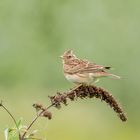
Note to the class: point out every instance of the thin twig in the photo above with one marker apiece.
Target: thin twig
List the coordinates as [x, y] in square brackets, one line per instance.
[13, 118]
[10, 115]
[34, 120]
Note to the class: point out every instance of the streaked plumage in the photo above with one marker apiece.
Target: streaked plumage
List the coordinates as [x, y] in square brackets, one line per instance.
[82, 71]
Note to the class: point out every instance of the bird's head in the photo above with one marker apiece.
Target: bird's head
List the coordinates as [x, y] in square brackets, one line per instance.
[68, 56]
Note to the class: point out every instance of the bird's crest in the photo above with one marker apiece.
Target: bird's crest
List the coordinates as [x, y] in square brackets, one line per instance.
[68, 52]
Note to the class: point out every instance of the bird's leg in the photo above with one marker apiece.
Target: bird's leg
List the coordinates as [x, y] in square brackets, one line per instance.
[77, 86]
[96, 80]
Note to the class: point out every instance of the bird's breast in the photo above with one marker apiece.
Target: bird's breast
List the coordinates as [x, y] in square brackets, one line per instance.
[78, 78]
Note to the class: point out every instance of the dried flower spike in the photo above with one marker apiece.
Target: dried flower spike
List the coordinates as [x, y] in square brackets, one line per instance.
[85, 91]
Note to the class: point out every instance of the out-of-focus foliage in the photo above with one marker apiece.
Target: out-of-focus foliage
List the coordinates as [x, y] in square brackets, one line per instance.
[34, 33]
[13, 133]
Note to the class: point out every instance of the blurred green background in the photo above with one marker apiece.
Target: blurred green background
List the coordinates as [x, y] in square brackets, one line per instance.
[33, 34]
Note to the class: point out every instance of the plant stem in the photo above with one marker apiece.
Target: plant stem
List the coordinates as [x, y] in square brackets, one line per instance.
[34, 120]
[13, 118]
[10, 115]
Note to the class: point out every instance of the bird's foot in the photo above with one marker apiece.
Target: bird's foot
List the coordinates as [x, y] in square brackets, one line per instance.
[77, 86]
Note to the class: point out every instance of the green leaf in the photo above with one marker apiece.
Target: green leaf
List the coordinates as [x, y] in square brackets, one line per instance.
[19, 123]
[6, 131]
[11, 134]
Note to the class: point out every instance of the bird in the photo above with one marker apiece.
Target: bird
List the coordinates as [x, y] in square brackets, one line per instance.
[82, 71]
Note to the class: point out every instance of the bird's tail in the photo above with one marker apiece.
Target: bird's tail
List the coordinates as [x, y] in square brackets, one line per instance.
[107, 68]
[113, 76]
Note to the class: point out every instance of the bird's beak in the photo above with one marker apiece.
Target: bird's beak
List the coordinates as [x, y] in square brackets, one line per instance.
[61, 56]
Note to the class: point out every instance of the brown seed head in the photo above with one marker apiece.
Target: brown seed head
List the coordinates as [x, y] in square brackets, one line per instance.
[47, 114]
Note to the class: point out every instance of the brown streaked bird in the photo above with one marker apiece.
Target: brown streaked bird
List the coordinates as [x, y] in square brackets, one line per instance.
[81, 71]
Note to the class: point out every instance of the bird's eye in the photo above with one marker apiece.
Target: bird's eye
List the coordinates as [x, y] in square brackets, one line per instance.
[69, 56]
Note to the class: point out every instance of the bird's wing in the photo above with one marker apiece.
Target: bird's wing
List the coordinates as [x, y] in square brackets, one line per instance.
[92, 68]
[82, 66]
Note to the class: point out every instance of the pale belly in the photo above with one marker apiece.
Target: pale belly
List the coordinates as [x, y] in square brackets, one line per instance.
[81, 78]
